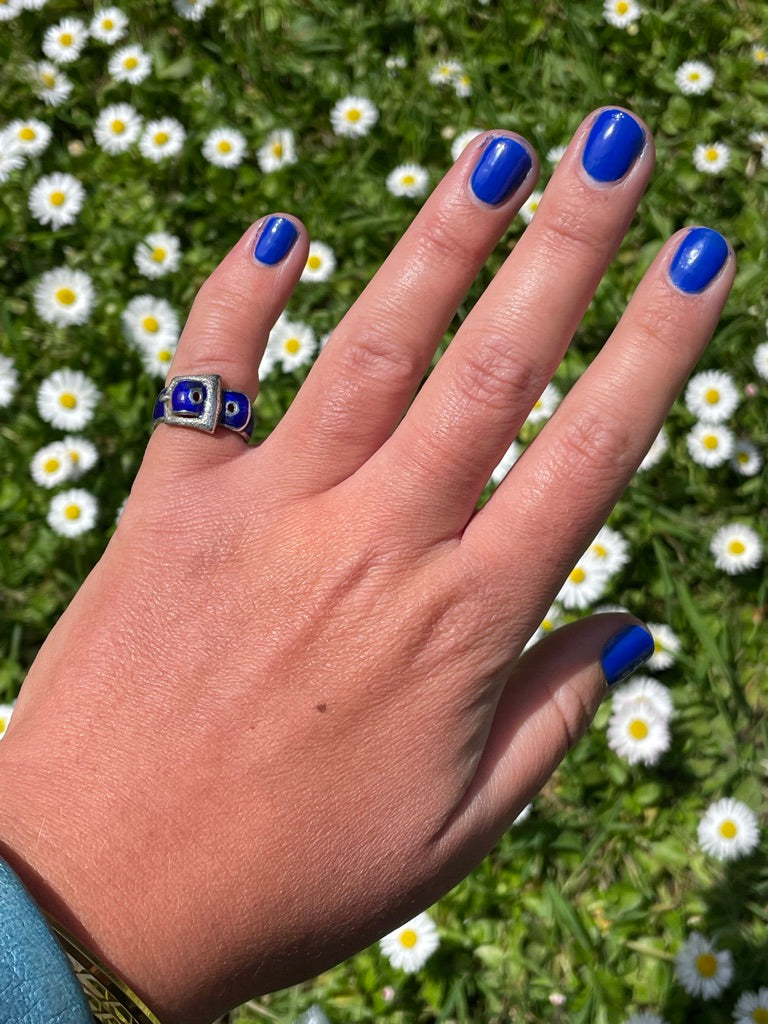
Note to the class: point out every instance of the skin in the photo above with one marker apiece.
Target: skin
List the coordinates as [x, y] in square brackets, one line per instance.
[288, 708]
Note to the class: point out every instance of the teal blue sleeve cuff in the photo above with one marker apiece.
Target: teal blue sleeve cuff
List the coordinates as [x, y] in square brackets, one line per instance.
[37, 985]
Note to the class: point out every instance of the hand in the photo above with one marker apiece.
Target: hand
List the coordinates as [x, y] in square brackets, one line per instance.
[288, 708]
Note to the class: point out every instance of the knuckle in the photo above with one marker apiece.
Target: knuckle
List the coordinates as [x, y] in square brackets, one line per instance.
[375, 354]
[572, 232]
[446, 243]
[494, 375]
[595, 441]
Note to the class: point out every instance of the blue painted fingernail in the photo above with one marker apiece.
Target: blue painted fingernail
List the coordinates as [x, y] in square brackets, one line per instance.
[613, 145]
[625, 652]
[698, 259]
[275, 241]
[502, 168]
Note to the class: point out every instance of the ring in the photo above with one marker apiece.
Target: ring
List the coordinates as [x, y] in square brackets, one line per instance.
[199, 401]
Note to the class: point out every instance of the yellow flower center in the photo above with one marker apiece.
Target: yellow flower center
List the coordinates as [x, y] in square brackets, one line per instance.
[277, 149]
[728, 829]
[68, 400]
[72, 511]
[761, 55]
[694, 76]
[2, 720]
[56, 198]
[164, 356]
[74, 456]
[736, 547]
[51, 465]
[224, 146]
[547, 625]
[710, 442]
[638, 730]
[712, 396]
[706, 964]
[161, 138]
[158, 255]
[27, 133]
[759, 1016]
[577, 575]
[622, 7]
[118, 126]
[711, 154]
[599, 550]
[66, 39]
[314, 262]
[130, 63]
[743, 458]
[292, 345]
[353, 115]
[408, 179]
[65, 296]
[408, 938]
[107, 24]
[150, 324]
[48, 79]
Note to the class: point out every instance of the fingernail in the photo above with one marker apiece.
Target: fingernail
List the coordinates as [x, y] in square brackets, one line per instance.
[501, 169]
[625, 652]
[613, 145]
[699, 258]
[275, 241]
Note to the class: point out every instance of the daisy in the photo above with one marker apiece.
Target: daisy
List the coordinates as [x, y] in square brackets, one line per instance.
[314, 1015]
[33, 5]
[395, 62]
[545, 405]
[703, 969]
[760, 360]
[746, 458]
[292, 344]
[408, 180]
[11, 156]
[760, 53]
[611, 549]
[321, 262]
[556, 154]
[728, 830]
[638, 733]
[192, 10]
[9, 380]
[161, 139]
[130, 64]
[353, 116]
[621, 13]
[694, 78]
[82, 455]
[530, 206]
[64, 296]
[63, 43]
[224, 147]
[66, 399]
[656, 452]
[108, 25]
[278, 150]
[51, 84]
[117, 128]
[56, 199]
[157, 358]
[446, 72]
[158, 254]
[148, 321]
[710, 444]
[508, 459]
[752, 1008]
[31, 135]
[736, 549]
[666, 644]
[411, 945]
[462, 85]
[712, 396]
[51, 465]
[644, 692]
[10, 9]
[72, 513]
[6, 712]
[585, 584]
[548, 624]
[711, 157]
[462, 140]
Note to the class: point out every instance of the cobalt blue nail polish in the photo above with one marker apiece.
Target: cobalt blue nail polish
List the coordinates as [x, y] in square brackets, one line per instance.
[275, 241]
[502, 168]
[699, 258]
[613, 145]
[625, 652]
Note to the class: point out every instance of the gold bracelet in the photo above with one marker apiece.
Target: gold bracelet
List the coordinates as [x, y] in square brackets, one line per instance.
[110, 1000]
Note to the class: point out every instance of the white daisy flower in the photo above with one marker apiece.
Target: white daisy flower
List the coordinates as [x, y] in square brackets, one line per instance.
[702, 969]
[353, 116]
[64, 296]
[556, 154]
[278, 150]
[412, 944]
[712, 396]
[408, 180]
[752, 1007]
[666, 644]
[56, 199]
[586, 583]
[64, 42]
[321, 262]
[51, 84]
[736, 549]
[446, 72]
[72, 513]
[11, 156]
[192, 10]
[711, 157]
[462, 85]
[292, 344]
[728, 830]
[548, 625]
[117, 128]
[149, 321]
[462, 140]
[9, 380]
[760, 360]
[638, 733]
[161, 139]
[508, 459]
[6, 712]
[746, 458]
[51, 465]
[33, 5]
[157, 358]
[10, 9]
[157, 254]
[758, 138]
[224, 147]
[395, 62]
[66, 399]
[656, 452]
[760, 53]
[108, 25]
[611, 549]
[82, 454]
[130, 64]
[30, 135]
[644, 1017]
[694, 78]
[644, 692]
[710, 444]
[545, 404]
[621, 13]
[530, 206]
[314, 1015]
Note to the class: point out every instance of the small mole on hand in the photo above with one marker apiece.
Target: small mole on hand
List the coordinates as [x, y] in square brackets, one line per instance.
[320, 707]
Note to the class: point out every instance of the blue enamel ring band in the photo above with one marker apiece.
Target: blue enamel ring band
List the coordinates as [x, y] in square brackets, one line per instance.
[201, 402]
